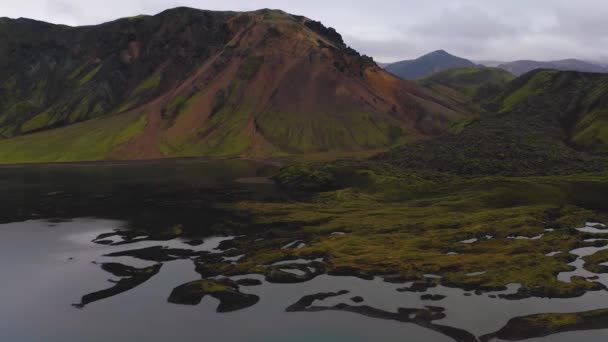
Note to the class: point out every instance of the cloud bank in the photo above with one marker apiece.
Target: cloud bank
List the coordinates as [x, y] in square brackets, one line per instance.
[391, 30]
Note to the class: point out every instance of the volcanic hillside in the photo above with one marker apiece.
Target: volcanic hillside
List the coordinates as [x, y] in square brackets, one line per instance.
[188, 82]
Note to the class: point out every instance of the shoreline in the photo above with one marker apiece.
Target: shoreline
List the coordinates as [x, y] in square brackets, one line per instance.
[265, 161]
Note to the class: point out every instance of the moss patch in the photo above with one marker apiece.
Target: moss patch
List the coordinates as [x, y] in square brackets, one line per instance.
[406, 224]
[536, 84]
[250, 66]
[148, 84]
[89, 76]
[224, 134]
[90, 140]
[534, 326]
[37, 122]
[349, 130]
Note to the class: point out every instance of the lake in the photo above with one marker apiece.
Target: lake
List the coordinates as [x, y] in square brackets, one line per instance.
[57, 269]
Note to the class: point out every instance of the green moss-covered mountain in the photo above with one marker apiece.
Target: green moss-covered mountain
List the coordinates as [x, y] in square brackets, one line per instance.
[521, 67]
[545, 122]
[469, 85]
[188, 82]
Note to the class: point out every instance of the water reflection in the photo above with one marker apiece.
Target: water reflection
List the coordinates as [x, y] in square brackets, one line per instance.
[130, 277]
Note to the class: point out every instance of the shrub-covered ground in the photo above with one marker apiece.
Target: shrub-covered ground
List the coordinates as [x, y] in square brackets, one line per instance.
[372, 219]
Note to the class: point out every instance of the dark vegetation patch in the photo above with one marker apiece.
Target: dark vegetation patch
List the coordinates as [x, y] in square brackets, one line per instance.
[357, 299]
[541, 325]
[431, 297]
[129, 278]
[249, 67]
[476, 84]
[224, 290]
[530, 129]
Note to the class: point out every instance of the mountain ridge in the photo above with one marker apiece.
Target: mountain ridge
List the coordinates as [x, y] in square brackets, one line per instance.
[426, 65]
[189, 82]
[521, 67]
[545, 122]
[470, 86]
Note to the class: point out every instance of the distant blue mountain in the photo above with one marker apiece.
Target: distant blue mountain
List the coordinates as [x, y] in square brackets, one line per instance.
[428, 64]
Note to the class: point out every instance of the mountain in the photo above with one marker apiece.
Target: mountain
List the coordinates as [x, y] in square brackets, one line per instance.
[430, 63]
[468, 85]
[519, 68]
[579, 99]
[545, 122]
[189, 82]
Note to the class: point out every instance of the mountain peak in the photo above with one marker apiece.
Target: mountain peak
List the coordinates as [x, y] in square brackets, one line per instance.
[189, 82]
[440, 52]
[430, 63]
[272, 11]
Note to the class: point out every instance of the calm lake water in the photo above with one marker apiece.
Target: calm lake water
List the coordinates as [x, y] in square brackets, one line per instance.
[48, 265]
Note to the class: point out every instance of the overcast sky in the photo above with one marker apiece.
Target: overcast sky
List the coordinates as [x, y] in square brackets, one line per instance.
[391, 30]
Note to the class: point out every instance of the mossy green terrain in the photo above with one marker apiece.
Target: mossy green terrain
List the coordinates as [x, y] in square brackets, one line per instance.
[469, 84]
[540, 325]
[37, 122]
[596, 262]
[352, 130]
[527, 87]
[89, 76]
[91, 140]
[225, 132]
[582, 112]
[372, 219]
[178, 105]
[531, 128]
[147, 85]
[591, 130]
[474, 88]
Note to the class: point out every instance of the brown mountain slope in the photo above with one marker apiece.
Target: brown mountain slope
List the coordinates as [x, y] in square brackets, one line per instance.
[200, 83]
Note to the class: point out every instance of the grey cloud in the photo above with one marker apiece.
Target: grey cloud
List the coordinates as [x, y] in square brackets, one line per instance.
[465, 21]
[586, 19]
[395, 29]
